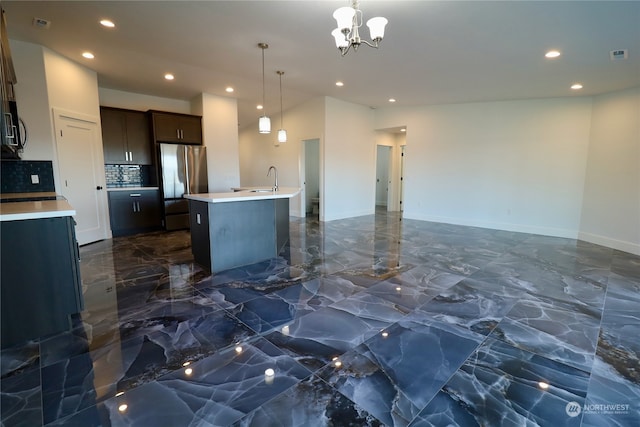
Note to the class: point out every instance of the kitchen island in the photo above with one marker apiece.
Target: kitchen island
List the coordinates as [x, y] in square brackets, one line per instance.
[40, 276]
[239, 228]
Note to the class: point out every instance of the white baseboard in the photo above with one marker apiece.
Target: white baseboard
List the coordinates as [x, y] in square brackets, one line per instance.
[352, 214]
[621, 245]
[519, 228]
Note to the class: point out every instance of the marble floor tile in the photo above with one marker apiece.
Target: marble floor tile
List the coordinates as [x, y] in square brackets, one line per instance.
[468, 307]
[500, 385]
[565, 336]
[310, 403]
[394, 374]
[218, 390]
[367, 321]
[21, 399]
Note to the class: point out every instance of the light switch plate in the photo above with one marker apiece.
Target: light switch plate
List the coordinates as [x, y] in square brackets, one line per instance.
[35, 179]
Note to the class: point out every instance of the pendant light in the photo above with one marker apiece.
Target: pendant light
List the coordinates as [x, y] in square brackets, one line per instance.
[282, 134]
[264, 123]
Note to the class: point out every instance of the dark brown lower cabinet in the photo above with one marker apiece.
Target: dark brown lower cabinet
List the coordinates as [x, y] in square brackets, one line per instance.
[134, 212]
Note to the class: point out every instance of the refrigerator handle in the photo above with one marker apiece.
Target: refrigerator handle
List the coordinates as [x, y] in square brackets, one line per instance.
[186, 171]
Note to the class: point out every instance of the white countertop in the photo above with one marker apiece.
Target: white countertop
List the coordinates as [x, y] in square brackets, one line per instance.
[13, 211]
[245, 195]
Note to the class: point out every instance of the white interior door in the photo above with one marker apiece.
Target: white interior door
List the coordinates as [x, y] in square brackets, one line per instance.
[81, 172]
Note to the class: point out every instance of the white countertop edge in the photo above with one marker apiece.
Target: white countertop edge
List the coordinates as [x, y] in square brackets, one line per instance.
[35, 215]
[131, 188]
[16, 211]
[240, 196]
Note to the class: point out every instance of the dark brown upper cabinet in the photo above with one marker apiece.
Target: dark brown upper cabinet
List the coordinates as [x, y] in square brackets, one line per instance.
[125, 136]
[177, 128]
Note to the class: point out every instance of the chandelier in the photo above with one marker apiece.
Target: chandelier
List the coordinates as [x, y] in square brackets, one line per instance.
[349, 20]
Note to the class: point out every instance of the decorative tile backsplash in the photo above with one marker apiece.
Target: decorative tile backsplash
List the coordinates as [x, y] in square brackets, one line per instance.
[128, 175]
[27, 176]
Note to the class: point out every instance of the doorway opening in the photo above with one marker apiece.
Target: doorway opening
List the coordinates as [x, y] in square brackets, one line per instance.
[402, 147]
[390, 144]
[311, 178]
[383, 176]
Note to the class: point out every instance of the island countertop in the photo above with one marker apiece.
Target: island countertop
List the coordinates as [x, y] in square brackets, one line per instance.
[256, 193]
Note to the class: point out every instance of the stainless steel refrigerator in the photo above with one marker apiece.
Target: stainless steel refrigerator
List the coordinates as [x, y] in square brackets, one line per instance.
[184, 171]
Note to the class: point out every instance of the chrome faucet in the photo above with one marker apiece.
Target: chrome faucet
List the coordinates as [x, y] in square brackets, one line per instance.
[275, 185]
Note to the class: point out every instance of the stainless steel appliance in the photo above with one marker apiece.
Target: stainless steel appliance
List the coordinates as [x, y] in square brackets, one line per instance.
[184, 171]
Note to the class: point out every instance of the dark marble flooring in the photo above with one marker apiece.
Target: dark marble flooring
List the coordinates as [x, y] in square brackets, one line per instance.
[367, 321]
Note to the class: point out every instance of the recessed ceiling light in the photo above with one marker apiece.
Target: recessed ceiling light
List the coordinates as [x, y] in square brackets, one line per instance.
[576, 86]
[259, 107]
[169, 76]
[229, 89]
[107, 23]
[339, 84]
[88, 55]
[392, 100]
[552, 54]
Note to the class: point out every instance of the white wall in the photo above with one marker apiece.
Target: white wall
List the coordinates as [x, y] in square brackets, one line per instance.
[349, 160]
[140, 102]
[611, 207]
[32, 100]
[258, 152]
[47, 80]
[71, 86]
[220, 135]
[514, 165]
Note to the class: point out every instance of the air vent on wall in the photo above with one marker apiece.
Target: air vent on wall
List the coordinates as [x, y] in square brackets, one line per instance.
[618, 54]
[41, 23]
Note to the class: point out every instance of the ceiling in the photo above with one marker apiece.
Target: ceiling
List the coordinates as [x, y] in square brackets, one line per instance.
[434, 52]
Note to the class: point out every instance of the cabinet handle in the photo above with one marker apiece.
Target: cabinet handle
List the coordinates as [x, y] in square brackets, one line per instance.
[134, 195]
[178, 133]
[131, 156]
[138, 206]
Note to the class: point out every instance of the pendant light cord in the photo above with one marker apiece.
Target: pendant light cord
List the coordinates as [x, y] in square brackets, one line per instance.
[263, 98]
[280, 73]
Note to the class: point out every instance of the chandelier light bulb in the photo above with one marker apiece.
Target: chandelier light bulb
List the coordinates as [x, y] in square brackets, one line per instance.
[376, 27]
[344, 18]
[341, 40]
